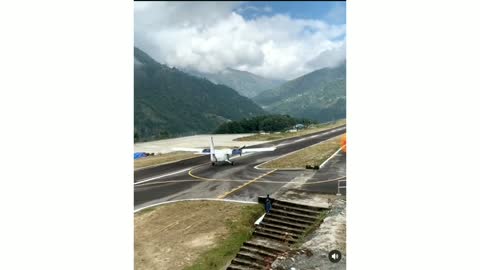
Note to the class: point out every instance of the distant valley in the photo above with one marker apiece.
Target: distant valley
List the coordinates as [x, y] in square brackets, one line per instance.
[245, 83]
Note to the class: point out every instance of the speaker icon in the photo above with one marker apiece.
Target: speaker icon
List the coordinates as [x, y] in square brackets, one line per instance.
[334, 256]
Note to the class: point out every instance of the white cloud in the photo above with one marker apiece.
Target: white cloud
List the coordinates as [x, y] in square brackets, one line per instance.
[211, 36]
[329, 58]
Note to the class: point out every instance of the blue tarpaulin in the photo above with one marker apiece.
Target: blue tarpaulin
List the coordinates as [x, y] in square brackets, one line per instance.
[138, 155]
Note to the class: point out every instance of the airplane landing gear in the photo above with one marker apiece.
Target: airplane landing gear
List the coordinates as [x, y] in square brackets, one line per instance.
[213, 163]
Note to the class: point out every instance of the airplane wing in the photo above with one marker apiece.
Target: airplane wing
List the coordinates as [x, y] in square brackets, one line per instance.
[251, 150]
[203, 151]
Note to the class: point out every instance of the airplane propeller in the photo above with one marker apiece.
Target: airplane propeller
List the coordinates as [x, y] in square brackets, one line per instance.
[238, 150]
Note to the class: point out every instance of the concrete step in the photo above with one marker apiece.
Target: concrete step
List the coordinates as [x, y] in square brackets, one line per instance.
[292, 204]
[275, 231]
[284, 223]
[251, 265]
[261, 252]
[238, 267]
[292, 219]
[266, 245]
[277, 237]
[283, 212]
[254, 257]
[296, 209]
[283, 228]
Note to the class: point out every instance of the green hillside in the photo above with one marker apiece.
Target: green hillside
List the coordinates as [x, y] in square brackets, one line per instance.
[266, 123]
[169, 102]
[245, 83]
[319, 95]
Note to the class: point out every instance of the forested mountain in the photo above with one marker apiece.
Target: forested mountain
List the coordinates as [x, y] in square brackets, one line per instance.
[266, 123]
[246, 83]
[319, 95]
[169, 102]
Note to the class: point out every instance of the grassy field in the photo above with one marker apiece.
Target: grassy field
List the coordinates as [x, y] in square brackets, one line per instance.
[160, 159]
[240, 229]
[284, 135]
[313, 155]
[192, 235]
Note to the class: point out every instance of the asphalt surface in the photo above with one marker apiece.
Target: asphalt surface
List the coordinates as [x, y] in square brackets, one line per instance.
[196, 178]
[327, 179]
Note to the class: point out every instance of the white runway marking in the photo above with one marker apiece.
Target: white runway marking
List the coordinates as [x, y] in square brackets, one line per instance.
[161, 176]
[257, 167]
[241, 181]
[334, 154]
[283, 144]
[235, 157]
[180, 171]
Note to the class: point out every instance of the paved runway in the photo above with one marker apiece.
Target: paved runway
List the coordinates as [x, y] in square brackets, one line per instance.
[334, 169]
[196, 178]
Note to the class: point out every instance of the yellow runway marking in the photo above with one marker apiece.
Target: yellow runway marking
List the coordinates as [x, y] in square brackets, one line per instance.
[206, 179]
[235, 180]
[244, 185]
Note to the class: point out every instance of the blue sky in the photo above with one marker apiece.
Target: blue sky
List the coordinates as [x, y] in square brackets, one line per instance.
[331, 12]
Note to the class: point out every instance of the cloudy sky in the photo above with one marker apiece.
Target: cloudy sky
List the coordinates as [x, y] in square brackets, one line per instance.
[281, 40]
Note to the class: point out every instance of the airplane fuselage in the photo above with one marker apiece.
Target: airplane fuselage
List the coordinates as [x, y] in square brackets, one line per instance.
[220, 156]
[223, 155]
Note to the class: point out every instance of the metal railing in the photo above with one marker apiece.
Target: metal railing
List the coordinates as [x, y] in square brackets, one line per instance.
[339, 186]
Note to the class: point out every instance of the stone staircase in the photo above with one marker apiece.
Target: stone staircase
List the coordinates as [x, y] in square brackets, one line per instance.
[283, 226]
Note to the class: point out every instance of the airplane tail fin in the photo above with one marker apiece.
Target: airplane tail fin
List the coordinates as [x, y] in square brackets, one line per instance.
[212, 149]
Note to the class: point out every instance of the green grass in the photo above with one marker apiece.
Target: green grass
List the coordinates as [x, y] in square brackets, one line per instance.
[239, 232]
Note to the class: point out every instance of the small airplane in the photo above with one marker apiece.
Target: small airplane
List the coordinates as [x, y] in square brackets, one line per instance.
[219, 155]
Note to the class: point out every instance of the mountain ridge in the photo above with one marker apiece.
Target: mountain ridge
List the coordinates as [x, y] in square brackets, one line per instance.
[318, 95]
[169, 102]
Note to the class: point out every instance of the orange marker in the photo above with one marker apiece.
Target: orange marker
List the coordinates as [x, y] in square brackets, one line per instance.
[343, 143]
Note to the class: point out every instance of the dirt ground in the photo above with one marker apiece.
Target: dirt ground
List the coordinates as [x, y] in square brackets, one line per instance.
[172, 236]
